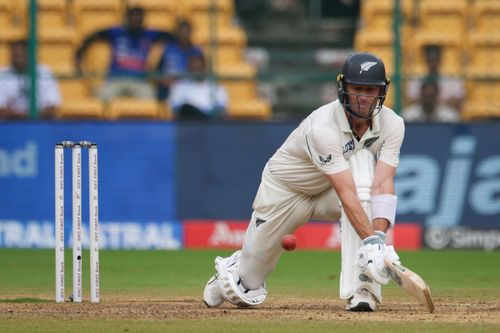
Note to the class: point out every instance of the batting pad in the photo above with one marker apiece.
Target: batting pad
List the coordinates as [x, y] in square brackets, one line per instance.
[362, 165]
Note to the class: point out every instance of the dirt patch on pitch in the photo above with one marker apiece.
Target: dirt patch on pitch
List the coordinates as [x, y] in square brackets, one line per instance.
[447, 310]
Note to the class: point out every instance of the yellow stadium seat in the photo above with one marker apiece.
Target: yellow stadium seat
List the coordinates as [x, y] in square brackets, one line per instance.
[174, 6]
[366, 39]
[4, 55]
[74, 88]
[205, 5]
[97, 58]
[484, 61]
[224, 54]
[132, 108]
[160, 20]
[451, 53]
[249, 109]
[486, 15]
[162, 5]
[204, 21]
[443, 16]
[164, 111]
[11, 25]
[77, 101]
[52, 14]
[92, 15]
[87, 108]
[235, 71]
[431, 7]
[240, 89]
[158, 14]
[477, 111]
[227, 36]
[56, 49]
[6, 14]
[389, 100]
[480, 104]
[155, 56]
[378, 14]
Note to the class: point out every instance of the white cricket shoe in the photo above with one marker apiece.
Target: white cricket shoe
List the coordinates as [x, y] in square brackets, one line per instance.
[362, 300]
[212, 297]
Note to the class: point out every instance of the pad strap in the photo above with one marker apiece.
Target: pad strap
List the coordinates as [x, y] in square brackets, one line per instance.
[384, 206]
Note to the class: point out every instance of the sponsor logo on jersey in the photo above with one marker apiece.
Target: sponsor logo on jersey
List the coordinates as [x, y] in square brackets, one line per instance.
[370, 142]
[325, 160]
[349, 146]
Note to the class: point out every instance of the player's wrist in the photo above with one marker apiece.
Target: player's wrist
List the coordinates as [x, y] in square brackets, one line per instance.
[373, 239]
[380, 234]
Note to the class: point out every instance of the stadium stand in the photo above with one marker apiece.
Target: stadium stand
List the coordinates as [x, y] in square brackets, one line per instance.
[77, 100]
[92, 15]
[467, 30]
[130, 108]
[62, 24]
[160, 14]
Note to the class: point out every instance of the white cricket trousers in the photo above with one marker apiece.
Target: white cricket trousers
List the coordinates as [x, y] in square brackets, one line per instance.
[277, 211]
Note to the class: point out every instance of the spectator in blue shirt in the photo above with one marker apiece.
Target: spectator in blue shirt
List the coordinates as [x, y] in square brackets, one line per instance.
[130, 48]
[174, 60]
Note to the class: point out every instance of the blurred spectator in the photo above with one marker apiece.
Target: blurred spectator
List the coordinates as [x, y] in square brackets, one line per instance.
[196, 97]
[130, 48]
[251, 9]
[15, 86]
[430, 109]
[451, 89]
[174, 60]
[288, 8]
[341, 9]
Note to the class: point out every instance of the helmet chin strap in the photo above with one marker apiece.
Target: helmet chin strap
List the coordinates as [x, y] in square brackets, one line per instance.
[353, 114]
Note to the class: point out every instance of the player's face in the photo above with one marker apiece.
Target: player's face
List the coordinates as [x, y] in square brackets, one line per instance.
[136, 20]
[19, 58]
[362, 98]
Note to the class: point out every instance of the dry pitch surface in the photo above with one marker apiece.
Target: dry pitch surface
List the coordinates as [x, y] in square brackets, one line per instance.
[118, 308]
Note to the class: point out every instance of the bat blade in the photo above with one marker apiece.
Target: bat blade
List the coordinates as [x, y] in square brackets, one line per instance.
[411, 282]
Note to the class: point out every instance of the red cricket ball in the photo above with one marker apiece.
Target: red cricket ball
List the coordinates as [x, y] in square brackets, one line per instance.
[289, 242]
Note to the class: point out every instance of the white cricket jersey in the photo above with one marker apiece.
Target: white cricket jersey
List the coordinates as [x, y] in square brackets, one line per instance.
[14, 89]
[323, 143]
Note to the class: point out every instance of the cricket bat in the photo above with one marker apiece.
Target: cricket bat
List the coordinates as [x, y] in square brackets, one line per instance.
[411, 282]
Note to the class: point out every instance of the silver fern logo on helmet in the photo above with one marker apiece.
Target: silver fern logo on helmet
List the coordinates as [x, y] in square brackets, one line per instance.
[366, 66]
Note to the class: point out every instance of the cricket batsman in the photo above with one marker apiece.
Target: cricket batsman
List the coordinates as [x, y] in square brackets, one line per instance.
[339, 163]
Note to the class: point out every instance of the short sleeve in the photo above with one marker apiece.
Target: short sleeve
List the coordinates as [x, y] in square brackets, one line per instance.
[391, 146]
[324, 147]
[49, 94]
[5, 88]
[222, 97]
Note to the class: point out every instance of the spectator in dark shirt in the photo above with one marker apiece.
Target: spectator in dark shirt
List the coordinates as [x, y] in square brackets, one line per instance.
[451, 89]
[174, 60]
[130, 48]
[429, 108]
[195, 96]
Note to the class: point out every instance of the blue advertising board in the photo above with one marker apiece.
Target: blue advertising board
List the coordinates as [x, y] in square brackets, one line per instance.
[153, 175]
[136, 182]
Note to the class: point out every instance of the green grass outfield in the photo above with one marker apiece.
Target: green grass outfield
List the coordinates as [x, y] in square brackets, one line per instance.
[464, 284]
